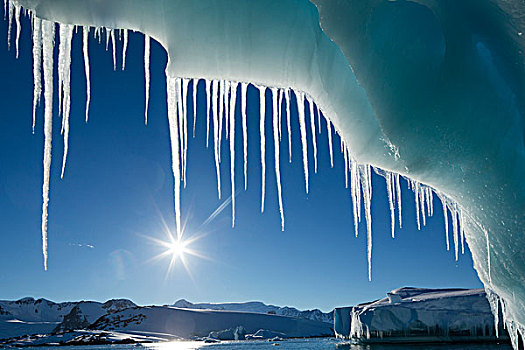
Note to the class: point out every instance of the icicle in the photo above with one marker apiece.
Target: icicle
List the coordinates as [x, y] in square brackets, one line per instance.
[18, 28]
[5, 8]
[488, 254]
[185, 84]
[10, 13]
[208, 106]
[345, 154]
[37, 65]
[227, 88]
[312, 127]
[195, 84]
[430, 199]
[302, 127]
[330, 145]
[367, 197]
[114, 48]
[221, 110]
[124, 49]
[318, 118]
[262, 113]
[288, 122]
[85, 32]
[66, 35]
[354, 183]
[215, 89]
[398, 190]
[233, 98]
[422, 203]
[174, 141]
[108, 35]
[244, 90]
[416, 196]
[178, 90]
[455, 230]
[280, 106]
[445, 214]
[390, 195]
[48, 38]
[147, 48]
[277, 156]
[462, 231]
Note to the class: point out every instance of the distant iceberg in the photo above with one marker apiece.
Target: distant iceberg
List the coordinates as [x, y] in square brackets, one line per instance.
[421, 315]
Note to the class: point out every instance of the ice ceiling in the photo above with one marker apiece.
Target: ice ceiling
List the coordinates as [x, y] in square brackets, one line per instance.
[432, 90]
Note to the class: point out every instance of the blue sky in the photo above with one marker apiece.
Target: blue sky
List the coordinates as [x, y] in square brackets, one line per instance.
[118, 188]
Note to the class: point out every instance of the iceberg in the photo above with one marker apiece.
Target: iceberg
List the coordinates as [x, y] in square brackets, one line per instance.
[421, 315]
[429, 90]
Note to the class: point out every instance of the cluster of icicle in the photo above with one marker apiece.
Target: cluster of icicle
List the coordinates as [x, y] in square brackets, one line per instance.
[221, 99]
[499, 310]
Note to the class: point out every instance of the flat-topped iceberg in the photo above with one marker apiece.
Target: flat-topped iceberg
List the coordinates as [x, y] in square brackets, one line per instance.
[421, 315]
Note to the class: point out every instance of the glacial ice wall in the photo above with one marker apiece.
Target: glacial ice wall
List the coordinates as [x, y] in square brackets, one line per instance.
[429, 90]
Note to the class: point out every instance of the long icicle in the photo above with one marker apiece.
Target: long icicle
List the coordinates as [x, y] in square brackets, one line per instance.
[185, 84]
[66, 36]
[18, 29]
[221, 111]
[330, 142]
[85, 32]
[367, 196]
[416, 197]
[262, 114]
[277, 156]
[280, 114]
[312, 127]
[113, 38]
[147, 49]
[195, 84]
[233, 99]
[390, 194]
[180, 113]
[488, 254]
[208, 107]
[37, 65]
[302, 127]
[124, 49]
[48, 36]
[244, 90]
[10, 14]
[398, 190]
[353, 190]
[215, 89]
[227, 88]
[455, 230]
[288, 122]
[445, 215]
[175, 152]
[422, 203]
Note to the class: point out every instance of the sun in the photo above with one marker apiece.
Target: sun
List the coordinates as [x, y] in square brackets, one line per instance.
[177, 248]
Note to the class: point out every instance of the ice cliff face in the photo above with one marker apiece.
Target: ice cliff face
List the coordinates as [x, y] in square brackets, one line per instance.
[422, 315]
[431, 90]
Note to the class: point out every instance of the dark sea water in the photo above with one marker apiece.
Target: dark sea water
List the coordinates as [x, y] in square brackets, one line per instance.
[307, 344]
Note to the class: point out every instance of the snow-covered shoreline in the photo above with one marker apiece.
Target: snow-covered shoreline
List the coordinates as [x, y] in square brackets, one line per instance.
[30, 322]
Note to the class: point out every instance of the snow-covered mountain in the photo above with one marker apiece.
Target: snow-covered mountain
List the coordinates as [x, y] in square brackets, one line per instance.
[261, 308]
[31, 310]
[188, 323]
[87, 312]
[30, 316]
